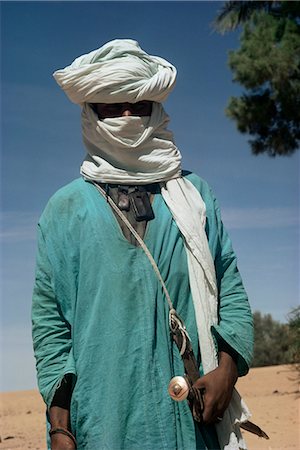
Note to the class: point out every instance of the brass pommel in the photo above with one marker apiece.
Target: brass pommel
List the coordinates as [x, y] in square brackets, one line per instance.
[178, 389]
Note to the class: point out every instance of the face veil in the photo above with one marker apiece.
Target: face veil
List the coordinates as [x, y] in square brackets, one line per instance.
[129, 150]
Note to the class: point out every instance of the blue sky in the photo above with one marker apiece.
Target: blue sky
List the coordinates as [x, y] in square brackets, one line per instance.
[42, 148]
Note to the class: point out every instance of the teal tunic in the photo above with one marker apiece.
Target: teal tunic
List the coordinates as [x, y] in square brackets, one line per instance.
[99, 313]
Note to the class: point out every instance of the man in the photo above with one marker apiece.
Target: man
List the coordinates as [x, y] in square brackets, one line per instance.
[101, 330]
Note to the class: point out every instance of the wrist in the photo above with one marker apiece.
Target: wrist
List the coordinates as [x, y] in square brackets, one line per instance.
[63, 438]
[228, 364]
[59, 417]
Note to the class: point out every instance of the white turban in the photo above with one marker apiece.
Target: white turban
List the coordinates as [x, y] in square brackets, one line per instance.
[120, 71]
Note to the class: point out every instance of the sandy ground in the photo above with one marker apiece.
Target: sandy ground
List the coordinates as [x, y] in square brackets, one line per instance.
[272, 394]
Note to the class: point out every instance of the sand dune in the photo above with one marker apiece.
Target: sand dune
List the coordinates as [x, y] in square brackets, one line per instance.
[272, 394]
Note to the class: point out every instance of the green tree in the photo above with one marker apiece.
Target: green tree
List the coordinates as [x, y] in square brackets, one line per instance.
[294, 326]
[267, 64]
[233, 13]
[272, 343]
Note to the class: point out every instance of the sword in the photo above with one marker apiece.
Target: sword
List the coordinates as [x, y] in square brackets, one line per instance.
[181, 388]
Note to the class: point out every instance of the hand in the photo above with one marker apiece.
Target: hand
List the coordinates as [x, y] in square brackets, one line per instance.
[61, 442]
[218, 386]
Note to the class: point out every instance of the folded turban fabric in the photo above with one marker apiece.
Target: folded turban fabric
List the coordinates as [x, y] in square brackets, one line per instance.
[119, 71]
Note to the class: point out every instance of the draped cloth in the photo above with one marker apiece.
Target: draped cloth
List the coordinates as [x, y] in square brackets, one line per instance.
[129, 150]
[140, 150]
[119, 71]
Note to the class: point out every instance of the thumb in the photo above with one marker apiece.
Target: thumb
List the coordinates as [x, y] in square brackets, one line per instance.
[200, 383]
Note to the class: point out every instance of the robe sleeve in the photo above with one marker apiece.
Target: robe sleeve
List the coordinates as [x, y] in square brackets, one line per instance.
[51, 333]
[234, 331]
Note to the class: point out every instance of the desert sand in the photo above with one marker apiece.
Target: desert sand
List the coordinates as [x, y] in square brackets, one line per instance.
[272, 394]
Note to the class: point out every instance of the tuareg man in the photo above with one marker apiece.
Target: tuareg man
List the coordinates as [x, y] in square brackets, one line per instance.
[133, 245]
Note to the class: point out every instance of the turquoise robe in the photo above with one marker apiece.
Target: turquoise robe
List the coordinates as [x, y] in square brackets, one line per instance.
[99, 313]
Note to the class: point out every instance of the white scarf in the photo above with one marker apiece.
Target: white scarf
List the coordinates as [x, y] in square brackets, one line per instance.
[135, 150]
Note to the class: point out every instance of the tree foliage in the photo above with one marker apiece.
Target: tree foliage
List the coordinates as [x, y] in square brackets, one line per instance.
[267, 64]
[235, 13]
[274, 342]
[294, 326]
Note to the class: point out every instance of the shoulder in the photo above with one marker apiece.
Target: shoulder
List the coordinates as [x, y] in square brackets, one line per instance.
[201, 185]
[69, 191]
[67, 200]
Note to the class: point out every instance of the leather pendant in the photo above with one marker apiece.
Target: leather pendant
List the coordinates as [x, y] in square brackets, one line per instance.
[137, 198]
[141, 205]
[123, 199]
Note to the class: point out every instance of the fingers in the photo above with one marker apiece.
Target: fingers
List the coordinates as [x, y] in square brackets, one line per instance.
[216, 396]
[209, 412]
[201, 383]
[212, 411]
